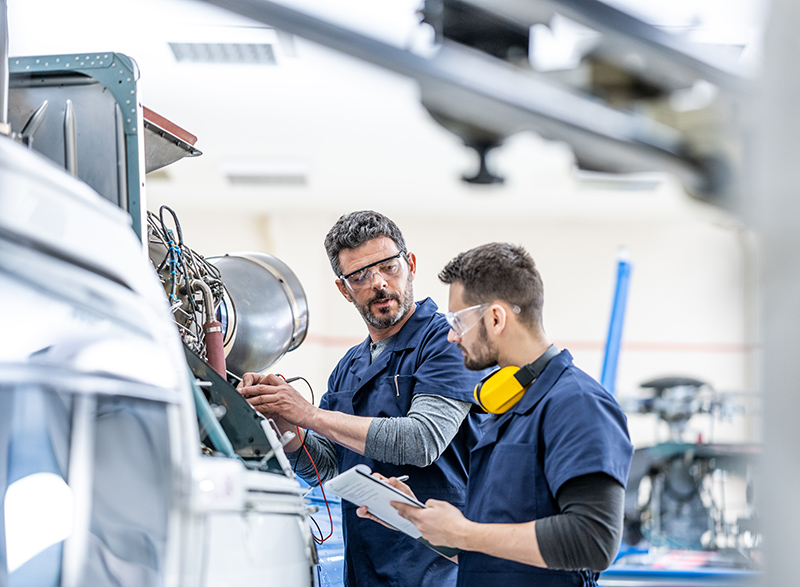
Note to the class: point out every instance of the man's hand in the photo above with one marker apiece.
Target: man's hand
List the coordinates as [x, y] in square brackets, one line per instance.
[251, 379]
[270, 395]
[440, 523]
[276, 399]
[363, 511]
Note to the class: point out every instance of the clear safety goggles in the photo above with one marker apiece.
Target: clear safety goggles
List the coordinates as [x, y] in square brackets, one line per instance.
[464, 320]
[389, 268]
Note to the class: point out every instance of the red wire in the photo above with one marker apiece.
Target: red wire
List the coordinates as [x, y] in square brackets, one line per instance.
[313, 464]
[325, 499]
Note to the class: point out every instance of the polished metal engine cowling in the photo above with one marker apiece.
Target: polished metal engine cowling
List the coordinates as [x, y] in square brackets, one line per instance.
[264, 312]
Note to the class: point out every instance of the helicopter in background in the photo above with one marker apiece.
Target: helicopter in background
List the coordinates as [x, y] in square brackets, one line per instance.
[690, 497]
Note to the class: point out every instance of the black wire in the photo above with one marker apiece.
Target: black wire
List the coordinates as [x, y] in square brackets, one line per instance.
[173, 260]
[155, 231]
[302, 444]
[320, 539]
[304, 450]
[165, 259]
[174, 218]
[179, 248]
[183, 264]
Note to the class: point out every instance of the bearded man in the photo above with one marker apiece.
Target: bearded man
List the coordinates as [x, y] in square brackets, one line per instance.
[547, 479]
[398, 402]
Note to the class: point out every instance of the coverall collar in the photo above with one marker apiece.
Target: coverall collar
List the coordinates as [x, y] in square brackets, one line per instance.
[409, 336]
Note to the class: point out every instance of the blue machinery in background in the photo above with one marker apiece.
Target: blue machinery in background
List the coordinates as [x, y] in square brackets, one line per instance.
[613, 342]
[659, 567]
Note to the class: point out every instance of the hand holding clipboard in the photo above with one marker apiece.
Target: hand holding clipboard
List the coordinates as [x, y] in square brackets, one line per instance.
[357, 485]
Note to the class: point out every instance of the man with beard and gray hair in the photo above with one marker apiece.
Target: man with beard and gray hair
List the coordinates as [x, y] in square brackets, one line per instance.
[399, 402]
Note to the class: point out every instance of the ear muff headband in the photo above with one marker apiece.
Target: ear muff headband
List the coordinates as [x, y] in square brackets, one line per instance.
[500, 390]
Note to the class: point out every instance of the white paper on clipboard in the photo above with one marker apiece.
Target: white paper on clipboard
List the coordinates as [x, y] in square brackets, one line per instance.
[358, 486]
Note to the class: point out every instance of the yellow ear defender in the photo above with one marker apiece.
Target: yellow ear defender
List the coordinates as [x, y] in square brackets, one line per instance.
[500, 390]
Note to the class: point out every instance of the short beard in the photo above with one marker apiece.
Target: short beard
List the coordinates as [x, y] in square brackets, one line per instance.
[386, 319]
[484, 354]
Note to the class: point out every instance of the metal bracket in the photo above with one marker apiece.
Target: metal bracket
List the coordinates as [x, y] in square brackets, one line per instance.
[119, 75]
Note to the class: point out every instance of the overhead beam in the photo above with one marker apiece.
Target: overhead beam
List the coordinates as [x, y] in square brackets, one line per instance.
[497, 97]
[660, 54]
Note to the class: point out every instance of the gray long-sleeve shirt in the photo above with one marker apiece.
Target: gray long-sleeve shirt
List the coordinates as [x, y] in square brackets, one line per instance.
[418, 438]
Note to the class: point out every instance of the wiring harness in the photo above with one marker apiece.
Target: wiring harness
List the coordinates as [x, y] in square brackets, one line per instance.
[193, 285]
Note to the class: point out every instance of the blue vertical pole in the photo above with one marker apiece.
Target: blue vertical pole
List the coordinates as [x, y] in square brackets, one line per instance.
[613, 342]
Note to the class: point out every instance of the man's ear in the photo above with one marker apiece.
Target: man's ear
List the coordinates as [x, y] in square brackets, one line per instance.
[498, 318]
[343, 290]
[412, 265]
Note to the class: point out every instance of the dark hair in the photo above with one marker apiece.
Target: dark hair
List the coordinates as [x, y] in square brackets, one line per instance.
[357, 228]
[499, 271]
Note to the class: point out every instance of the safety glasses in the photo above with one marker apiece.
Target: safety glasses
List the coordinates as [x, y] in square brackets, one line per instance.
[389, 268]
[464, 320]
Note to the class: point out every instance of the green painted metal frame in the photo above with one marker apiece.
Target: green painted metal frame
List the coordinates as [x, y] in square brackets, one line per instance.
[119, 74]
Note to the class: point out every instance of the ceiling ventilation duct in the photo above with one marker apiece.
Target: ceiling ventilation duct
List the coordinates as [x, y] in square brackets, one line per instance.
[229, 53]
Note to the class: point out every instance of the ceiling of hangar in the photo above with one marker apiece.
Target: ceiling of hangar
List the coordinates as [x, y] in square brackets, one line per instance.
[282, 121]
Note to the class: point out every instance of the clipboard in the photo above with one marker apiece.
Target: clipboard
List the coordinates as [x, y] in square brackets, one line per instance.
[358, 486]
